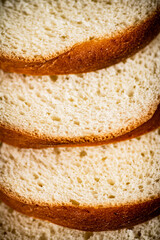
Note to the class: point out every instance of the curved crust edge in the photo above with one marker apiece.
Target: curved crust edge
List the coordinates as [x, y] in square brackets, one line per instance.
[88, 218]
[18, 138]
[90, 55]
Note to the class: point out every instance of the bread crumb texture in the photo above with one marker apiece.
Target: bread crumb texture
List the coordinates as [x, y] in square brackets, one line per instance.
[108, 175]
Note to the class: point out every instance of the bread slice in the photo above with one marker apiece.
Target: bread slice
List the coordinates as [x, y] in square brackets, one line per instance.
[92, 189]
[26, 141]
[14, 225]
[61, 37]
[85, 108]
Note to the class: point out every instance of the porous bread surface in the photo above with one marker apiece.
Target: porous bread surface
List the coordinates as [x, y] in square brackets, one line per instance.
[53, 27]
[105, 103]
[111, 175]
[14, 225]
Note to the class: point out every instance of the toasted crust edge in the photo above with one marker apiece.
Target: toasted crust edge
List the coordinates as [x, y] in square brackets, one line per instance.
[90, 55]
[19, 138]
[87, 218]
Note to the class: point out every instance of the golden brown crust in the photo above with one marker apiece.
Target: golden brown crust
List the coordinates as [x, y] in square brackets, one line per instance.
[85, 217]
[91, 55]
[22, 139]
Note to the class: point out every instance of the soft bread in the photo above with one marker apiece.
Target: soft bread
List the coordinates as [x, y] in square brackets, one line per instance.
[88, 108]
[95, 188]
[61, 37]
[14, 225]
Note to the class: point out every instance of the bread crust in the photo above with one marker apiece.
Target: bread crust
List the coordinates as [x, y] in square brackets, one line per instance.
[86, 218]
[19, 138]
[90, 55]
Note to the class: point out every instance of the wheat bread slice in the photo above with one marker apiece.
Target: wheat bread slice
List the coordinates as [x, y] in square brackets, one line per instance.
[80, 109]
[14, 225]
[61, 37]
[89, 188]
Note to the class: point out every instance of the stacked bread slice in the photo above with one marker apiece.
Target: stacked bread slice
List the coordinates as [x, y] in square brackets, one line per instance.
[81, 109]
[59, 37]
[14, 225]
[87, 188]
[51, 166]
